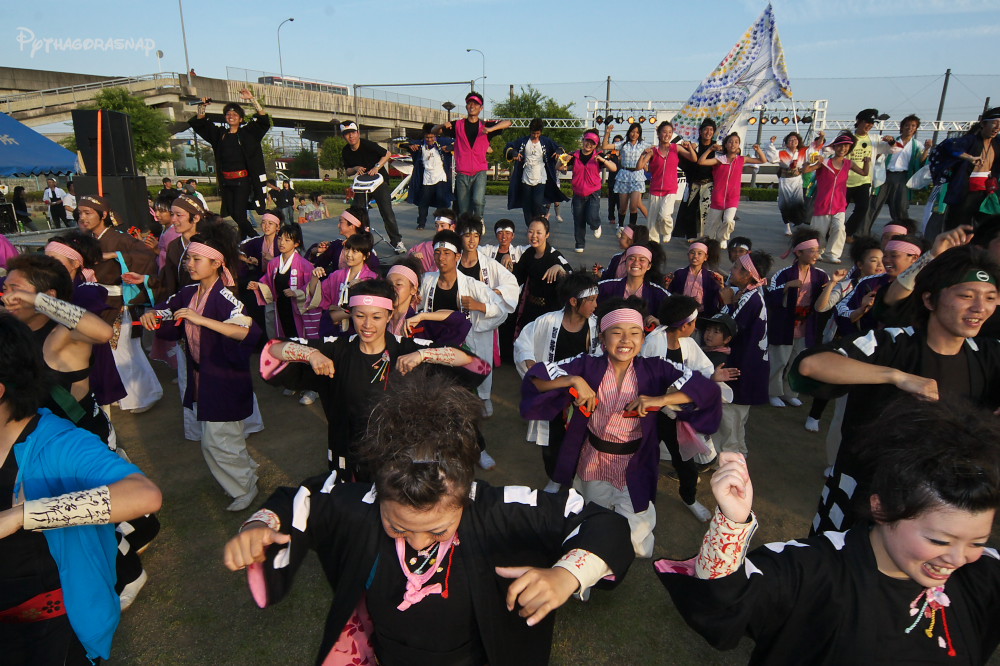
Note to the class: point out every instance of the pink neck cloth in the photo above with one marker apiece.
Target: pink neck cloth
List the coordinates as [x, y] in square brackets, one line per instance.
[698, 246]
[405, 272]
[621, 316]
[353, 221]
[415, 590]
[208, 252]
[67, 252]
[895, 230]
[903, 246]
[639, 250]
[804, 245]
[747, 263]
[377, 301]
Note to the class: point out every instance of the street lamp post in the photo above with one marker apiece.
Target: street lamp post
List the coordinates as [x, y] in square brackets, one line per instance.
[484, 66]
[448, 106]
[281, 66]
[187, 63]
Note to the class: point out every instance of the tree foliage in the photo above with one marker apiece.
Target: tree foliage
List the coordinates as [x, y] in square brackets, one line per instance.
[531, 103]
[150, 128]
[331, 156]
[304, 165]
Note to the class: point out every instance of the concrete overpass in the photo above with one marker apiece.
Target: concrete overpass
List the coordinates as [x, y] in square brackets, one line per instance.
[39, 97]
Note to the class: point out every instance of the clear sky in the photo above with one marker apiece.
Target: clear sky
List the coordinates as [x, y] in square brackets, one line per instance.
[890, 54]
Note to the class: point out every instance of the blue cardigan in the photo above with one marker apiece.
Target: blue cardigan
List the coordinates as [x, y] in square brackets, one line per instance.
[549, 150]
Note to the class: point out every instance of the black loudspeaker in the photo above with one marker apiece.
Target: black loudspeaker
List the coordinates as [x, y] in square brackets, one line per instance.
[118, 155]
[128, 196]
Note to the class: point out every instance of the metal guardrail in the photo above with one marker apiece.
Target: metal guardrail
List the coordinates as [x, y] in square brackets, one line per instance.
[76, 93]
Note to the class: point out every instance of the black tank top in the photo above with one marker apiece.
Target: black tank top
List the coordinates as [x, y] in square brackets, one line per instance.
[64, 379]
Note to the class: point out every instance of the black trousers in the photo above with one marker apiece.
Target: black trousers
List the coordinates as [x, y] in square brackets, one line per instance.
[964, 212]
[235, 198]
[687, 470]
[550, 453]
[382, 198]
[861, 197]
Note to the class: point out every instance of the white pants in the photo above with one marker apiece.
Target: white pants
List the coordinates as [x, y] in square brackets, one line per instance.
[781, 357]
[192, 426]
[719, 224]
[481, 344]
[832, 234]
[141, 385]
[733, 428]
[226, 454]
[641, 524]
[661, 217]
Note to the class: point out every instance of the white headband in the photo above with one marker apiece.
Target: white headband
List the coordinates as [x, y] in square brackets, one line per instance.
[587, 293]
[445, 245]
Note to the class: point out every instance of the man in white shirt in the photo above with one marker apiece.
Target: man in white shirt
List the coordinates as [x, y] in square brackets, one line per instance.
[69, 202]
[905, 157]
[533, 183]
[53, 198]
[191, 188]
[430, 182]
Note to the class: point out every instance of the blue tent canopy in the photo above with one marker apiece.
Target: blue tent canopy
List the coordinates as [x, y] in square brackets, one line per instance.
[25, 152]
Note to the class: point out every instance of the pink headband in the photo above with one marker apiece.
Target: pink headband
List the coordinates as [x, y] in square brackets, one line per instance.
[270, 217]
[904, 247]
[621, 316]
[377, 301]
[804, 245]
[628, 231]
[747, 263]
[211, 253]
[405, 272]
[639, 250]
[71, 254]
[895, 230]
[593, 136]
[353, 221]
[698, 246]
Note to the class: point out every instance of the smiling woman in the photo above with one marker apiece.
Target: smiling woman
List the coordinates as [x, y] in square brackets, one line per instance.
[430, 564]
[913, 584]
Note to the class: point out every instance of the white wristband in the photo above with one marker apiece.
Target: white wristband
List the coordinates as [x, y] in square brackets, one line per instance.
[84, 507]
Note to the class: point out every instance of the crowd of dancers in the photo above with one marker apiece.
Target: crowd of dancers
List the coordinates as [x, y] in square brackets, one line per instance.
[622, 367]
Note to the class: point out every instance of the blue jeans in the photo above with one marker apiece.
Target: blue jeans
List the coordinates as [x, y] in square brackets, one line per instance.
[586, 213]
[532, 201]
[470, 193]
[437, 195]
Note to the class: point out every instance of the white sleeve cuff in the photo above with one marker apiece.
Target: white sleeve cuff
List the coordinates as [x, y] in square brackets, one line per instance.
[586, 567]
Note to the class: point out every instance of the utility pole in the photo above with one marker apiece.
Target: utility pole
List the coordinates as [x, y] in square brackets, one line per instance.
[760, 131]
[944, 93]
[187, 63]
[607, 99]
[512, 93]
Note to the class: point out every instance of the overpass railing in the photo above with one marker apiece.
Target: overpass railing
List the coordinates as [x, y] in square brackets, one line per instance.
[84, 91]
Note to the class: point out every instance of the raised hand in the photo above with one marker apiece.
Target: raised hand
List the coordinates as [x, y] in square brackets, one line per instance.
[732, 487]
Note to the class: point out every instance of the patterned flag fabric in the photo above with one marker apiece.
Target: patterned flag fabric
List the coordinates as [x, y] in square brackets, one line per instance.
[753, 74]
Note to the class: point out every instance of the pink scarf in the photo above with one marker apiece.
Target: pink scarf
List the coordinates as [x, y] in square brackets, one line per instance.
[415, 590]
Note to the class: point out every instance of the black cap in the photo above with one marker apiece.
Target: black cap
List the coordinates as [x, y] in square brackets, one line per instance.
[867, 115]
[723, 320]
[991, 114]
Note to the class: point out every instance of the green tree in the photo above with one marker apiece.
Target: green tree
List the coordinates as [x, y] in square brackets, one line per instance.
[331, 155]
[271, 155]
[150, 129]
[304, 164]
[531, 103]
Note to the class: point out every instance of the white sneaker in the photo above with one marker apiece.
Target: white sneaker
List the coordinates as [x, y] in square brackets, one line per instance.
[723, 244]
[788, 229]
[812, 425]
[553, 487]
[579, 250]
[487, 408]
[243, 501]
[486, 461]
[699, 511]
[399, 248]
[597, 232]
[131, 591]
[776, 401]
[308, 397]
[559, 218]
[794, 402]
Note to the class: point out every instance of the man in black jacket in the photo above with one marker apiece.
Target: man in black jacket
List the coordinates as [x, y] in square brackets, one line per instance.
[239, 158]
[363, 157]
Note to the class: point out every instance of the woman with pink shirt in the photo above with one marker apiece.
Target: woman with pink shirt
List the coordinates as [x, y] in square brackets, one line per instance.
[830, 205]
[662, 162]
[727, 174]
